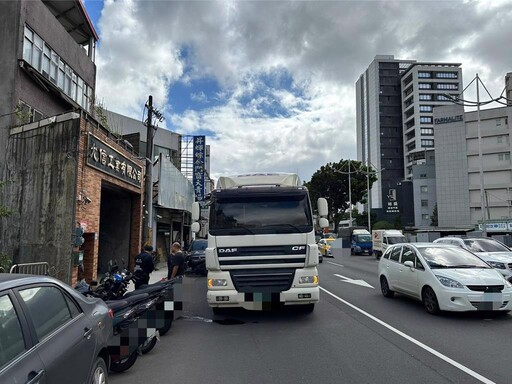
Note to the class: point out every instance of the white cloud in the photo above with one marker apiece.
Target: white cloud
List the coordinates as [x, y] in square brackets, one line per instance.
[323, 46]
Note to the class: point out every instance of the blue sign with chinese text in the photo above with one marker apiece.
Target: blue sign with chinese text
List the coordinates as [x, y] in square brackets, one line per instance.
[199, 164]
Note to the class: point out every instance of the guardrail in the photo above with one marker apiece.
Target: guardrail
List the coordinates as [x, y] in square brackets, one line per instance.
[42, 268]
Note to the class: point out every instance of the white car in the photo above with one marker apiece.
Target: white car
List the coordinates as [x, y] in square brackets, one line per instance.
[493, 252]
[444, 277]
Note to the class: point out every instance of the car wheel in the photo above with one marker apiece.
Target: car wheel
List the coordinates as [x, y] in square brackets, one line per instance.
[218, 310]
[168, 324]
[384, 288]
[148, 345]
[124, 364]
[99, 372]
[430, 301]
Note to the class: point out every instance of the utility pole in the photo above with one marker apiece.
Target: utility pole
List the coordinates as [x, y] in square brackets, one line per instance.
[148, 187]
[480, 157]
[349, 194]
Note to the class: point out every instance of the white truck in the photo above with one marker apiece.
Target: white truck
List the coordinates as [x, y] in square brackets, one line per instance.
[381, 238]
[261, 242]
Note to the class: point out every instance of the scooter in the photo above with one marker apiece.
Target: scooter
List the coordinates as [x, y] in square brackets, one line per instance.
[130, 333]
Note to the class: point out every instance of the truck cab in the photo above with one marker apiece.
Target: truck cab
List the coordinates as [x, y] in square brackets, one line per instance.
[382, 238]
[261, 243]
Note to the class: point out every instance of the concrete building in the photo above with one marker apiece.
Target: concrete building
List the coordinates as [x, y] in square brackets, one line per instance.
[66, 176]
[173, 192]
[459, 191]
[424, 190]
[379, 131]
[424, 87]
[47, 63]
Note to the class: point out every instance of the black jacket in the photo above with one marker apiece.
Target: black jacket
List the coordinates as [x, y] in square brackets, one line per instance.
[144, 263]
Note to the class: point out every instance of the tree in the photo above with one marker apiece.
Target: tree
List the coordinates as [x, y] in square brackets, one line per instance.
[383, 225]
[434, 222]
[331, 182]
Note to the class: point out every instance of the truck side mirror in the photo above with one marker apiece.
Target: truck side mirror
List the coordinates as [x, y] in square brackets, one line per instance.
[195, 211]
[323, 222]
[323, 209]
[195, 227]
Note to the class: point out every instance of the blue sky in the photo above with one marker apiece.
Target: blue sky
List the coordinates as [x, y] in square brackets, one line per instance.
[272, 83]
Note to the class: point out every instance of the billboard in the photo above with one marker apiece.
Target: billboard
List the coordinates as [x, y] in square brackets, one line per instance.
[199, 166]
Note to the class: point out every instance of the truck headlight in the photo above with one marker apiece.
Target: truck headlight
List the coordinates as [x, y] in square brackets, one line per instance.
[217, 283]
[308, 280]
[497, 265]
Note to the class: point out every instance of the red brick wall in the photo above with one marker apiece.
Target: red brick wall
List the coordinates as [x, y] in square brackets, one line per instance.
[90, 180]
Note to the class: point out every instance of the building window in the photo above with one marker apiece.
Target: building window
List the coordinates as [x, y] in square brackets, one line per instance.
[498, 122]
[447, 75]
[426, 143]
[499, 139]
[425, 96]
[425, 86]
[26, 114]
[38, 54]
[504, 157]
[426, 119]
[424, 203]
[425, 217]
[411, 146]
[427, 131]
[410, 135]
[424, 75]
[426, 108]
[424, 189]
[447, 86]
[423, 175]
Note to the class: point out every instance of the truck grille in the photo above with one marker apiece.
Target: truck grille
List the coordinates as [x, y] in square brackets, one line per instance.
[276, 256]
[265, 281]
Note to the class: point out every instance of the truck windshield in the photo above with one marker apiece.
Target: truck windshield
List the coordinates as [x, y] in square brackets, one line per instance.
[396, 239]
[244, 213]
[363, 238]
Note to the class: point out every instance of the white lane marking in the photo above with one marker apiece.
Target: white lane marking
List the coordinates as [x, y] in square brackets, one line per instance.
[414, 341]
[339, 265]
[362, 283]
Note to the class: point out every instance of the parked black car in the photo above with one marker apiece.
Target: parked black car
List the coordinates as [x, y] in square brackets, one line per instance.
[49, 333]
[196, 257]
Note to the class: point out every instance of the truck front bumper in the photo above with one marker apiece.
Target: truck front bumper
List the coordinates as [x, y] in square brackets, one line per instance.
[260, 301]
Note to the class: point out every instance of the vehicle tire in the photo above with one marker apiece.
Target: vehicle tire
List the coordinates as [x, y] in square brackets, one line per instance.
[124, 364]
[148, 345]
[384, 288]
[377, 255]
[166, 327]
[430, 302]
[99, 374]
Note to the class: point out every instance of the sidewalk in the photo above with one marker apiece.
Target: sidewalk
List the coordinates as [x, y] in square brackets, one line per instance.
[158, 275]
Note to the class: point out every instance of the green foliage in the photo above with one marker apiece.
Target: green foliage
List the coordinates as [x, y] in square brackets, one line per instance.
[331, 181]
[383, 225]
[435, 220]
[398, 222]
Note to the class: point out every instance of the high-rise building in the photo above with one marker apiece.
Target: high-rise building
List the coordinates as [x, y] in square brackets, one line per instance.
[424, 87]
[379, 131]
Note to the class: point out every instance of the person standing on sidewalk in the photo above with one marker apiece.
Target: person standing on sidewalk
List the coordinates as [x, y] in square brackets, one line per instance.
[175, 262]
[143, 266]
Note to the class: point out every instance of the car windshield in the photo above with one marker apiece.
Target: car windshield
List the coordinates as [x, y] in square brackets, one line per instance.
[485, 245]
[198, 245]
[396, 239]
[451, 257]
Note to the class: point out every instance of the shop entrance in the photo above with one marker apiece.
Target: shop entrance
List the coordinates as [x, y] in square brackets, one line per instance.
[115, 224]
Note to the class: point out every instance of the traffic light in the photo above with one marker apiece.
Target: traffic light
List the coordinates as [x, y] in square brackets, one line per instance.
[79, 233]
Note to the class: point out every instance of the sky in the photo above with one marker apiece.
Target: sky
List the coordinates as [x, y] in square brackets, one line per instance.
[272, 83]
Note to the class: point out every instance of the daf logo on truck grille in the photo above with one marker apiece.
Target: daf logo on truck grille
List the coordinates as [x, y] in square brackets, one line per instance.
[228, 250]
[298, 247]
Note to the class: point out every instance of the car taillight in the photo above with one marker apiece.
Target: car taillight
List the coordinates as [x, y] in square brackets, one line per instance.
[111, 313]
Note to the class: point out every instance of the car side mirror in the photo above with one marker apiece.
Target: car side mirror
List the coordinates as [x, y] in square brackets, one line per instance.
[409, 264]
[195, 227]
[323, 222]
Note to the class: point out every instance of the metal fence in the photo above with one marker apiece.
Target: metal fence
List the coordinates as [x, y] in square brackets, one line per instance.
[42, 268]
